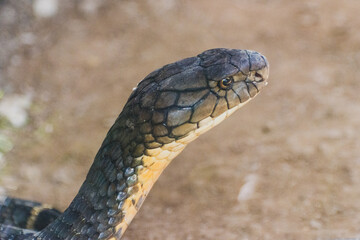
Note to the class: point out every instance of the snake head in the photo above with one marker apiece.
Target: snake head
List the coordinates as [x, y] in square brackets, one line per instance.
[190, 96]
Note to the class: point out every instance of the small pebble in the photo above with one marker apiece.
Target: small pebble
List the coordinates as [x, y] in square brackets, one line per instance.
[45, 8]
[248, 189]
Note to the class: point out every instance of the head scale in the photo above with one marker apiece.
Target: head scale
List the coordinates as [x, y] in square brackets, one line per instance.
[192, 95]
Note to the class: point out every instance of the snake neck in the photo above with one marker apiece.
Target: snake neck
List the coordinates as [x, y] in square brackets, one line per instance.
[124, 170]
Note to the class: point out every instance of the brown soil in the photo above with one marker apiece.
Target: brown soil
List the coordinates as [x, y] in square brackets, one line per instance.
[299, 138]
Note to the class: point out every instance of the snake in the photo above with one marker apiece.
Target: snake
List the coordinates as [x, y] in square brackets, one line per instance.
[167, 110]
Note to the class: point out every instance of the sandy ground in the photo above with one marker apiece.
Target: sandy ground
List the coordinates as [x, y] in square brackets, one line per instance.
[295, 148]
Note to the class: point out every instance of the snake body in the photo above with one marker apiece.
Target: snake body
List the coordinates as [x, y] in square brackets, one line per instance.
[26, 214]
[171, 107]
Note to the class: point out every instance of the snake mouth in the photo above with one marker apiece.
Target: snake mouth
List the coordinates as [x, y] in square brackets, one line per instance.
[257, 84]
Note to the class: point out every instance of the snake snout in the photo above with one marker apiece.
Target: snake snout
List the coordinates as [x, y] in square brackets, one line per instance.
[258, 69]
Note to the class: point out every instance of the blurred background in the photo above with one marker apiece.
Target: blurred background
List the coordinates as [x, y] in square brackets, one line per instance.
[286, 166]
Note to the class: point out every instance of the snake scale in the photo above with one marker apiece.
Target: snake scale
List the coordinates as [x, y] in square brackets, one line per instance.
[171, 107]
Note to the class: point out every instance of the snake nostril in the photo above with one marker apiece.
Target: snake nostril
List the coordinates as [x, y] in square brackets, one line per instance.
[258, 75]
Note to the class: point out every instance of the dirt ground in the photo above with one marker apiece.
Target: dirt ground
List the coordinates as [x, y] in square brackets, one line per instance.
[286, 166]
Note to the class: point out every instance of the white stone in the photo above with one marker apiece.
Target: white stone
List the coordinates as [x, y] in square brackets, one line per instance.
[14, 108]
[90, 6]
[27, 38]
[248, 189]
[45, 8]
[49, 128]
[315, 224]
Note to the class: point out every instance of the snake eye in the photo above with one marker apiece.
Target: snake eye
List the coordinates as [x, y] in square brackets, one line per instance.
[258, 77]
[226, 83]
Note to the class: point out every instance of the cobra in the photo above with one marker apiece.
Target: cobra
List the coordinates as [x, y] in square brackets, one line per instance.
[167, 110]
